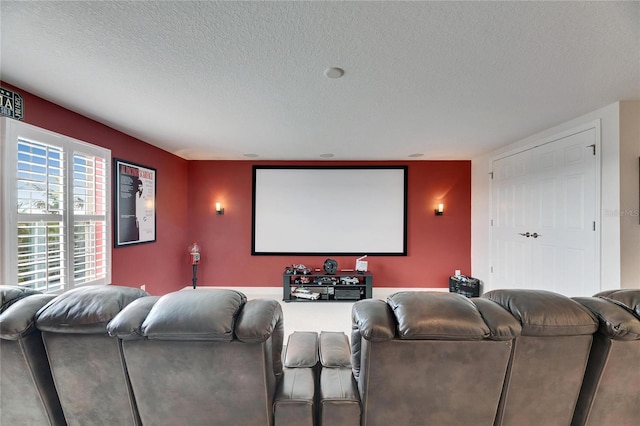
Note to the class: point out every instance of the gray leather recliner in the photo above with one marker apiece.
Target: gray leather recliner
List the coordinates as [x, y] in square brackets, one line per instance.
[209, 356]
[549, 358]
[86, 363]
[610, 393]
[420, 358]
[294, 403]
[27, 392]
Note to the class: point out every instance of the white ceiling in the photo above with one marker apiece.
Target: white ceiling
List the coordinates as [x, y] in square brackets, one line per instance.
[217, 80]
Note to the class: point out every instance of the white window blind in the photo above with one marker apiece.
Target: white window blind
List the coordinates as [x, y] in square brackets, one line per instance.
[89, 211]
[56, 215]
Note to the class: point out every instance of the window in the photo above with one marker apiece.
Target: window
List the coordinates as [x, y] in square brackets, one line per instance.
[56, 223]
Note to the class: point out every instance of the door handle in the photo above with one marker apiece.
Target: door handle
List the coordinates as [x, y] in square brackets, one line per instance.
[526, 234]
[535, 235]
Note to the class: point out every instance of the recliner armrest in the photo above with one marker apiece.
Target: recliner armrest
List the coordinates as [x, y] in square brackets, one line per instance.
[302, 350]
[260, 320]
[334, 349]
[294, 403]
[338, 399]
[371, 319]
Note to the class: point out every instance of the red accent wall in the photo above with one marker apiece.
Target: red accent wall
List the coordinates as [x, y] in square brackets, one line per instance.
[160, 265]
[186, 196]
[436, 245]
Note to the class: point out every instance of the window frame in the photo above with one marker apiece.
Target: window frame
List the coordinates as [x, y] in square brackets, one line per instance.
[12, 132]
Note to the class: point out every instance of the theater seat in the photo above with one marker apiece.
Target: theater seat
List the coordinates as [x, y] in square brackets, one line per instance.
[85, 361]
[549, 357]
[610, 394]
[27, 393]
[419, 358]
[209, 356]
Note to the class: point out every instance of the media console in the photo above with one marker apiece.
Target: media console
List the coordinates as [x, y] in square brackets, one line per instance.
[321, 287]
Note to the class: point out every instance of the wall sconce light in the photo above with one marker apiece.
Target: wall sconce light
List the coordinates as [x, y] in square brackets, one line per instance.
[219, 209]
[440, 210]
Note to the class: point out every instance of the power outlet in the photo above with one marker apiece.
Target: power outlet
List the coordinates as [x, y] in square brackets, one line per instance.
[143, 287]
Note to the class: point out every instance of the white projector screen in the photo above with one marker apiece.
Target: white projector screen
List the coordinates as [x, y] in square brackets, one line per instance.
[339, 210]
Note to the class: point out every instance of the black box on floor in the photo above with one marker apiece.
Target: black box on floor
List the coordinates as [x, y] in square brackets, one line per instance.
[467, 286]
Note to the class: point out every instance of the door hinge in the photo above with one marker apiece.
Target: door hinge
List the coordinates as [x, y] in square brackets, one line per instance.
[594, 225]
[593, 147]
[491, 222]
[492, 269]
[491, 174]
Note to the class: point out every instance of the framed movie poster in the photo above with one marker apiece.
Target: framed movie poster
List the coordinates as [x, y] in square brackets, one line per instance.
[135, 203]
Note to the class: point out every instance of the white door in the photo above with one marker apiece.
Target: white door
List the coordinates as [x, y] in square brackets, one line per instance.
[512, 253]
[544, 216]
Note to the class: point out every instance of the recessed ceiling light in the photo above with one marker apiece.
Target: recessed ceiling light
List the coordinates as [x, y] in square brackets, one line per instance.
[334, 72]
[417, 154]
[251, 155]
[326, 155]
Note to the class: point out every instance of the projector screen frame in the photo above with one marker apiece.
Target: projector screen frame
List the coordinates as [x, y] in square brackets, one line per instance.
[402, 252]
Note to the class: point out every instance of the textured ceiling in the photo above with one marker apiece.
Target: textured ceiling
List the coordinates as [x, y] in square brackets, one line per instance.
[217, 80]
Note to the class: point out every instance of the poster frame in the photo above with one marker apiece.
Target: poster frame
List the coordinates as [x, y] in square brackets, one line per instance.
[126, 222]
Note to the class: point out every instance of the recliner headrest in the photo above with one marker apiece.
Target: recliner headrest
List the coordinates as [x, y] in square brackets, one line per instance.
[19, 319]
[10, 294]
[627, 298]
[616, 322]
[194, 315]
[86, 310]
[544, 313]
[437, 316]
